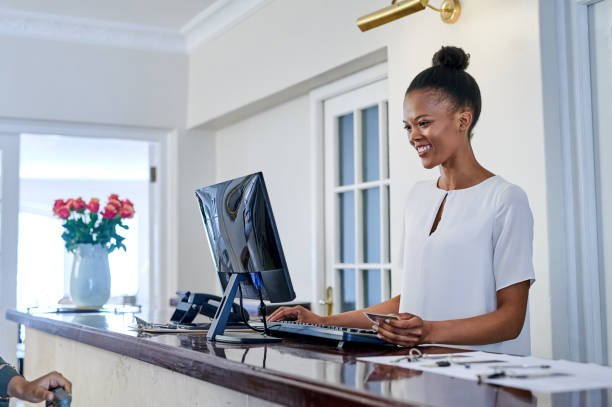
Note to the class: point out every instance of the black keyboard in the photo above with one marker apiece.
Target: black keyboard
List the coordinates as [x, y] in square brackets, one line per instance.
[337, 333]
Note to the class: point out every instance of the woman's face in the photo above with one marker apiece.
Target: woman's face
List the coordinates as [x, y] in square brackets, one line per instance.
[436, 130]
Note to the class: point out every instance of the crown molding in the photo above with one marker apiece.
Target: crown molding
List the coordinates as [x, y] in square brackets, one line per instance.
[211, 22]
[45, 26]
[218, 18]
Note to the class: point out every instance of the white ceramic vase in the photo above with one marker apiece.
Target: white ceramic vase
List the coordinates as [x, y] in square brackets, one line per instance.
[90, 277]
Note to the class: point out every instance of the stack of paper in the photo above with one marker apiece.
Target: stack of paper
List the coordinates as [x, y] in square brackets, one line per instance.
[529, 373]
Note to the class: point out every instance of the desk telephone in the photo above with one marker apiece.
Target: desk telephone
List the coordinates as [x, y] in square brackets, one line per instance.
[192, 304]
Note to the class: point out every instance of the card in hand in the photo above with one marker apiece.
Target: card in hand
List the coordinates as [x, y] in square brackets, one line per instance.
[378, 318]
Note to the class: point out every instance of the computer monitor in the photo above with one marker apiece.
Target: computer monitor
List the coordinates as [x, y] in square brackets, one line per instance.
[245, 247]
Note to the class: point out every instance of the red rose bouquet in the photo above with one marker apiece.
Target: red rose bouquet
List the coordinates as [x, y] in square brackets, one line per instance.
[86, 223]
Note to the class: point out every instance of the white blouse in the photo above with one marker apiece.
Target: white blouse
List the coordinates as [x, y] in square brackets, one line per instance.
[482, 244]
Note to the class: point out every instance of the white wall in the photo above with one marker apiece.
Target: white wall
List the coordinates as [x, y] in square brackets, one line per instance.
[196, 169]
[289, 42]
[54, 80]
[276, 142]
[64, 82]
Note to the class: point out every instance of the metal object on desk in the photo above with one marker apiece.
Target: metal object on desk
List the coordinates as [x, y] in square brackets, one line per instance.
[413, 355]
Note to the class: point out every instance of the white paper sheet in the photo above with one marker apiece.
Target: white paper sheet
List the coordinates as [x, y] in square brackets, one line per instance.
[569, 376]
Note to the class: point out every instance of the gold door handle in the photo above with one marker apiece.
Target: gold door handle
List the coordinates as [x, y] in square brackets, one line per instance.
[328, 301]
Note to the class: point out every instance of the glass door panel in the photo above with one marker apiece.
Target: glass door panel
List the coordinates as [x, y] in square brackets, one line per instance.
[372, 283]
[371, 225]
[357, 197]
[346, 149]
[347, 227]
[347, 289]
[370, 150]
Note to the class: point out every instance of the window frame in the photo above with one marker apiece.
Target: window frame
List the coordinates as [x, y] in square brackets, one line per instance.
[320, 221]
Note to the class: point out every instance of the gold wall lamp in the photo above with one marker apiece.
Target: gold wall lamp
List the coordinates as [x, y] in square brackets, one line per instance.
[449, 12]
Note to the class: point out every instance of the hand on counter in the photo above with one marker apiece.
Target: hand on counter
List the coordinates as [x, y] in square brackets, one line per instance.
[39, 389]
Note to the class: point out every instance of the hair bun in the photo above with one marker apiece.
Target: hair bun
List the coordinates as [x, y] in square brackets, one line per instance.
[452, 58]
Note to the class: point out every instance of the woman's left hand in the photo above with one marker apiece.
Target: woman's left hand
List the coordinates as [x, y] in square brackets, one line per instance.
[408, 331]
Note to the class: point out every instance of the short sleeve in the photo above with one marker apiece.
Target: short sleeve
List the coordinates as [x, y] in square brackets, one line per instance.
[6, 374]
[513, 239]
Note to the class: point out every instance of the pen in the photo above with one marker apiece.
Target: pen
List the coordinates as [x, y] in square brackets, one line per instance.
[535, 375]
[520, 366]
[439, 363]
[468, 365]
[499, 375]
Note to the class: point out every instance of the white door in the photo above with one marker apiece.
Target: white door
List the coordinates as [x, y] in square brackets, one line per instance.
[9, 209]
[357, 254]
[600, 33]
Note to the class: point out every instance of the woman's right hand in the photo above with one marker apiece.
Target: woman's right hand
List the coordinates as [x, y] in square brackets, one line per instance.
[297, 313]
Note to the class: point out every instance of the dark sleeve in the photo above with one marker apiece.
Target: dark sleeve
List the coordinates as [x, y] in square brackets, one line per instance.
[7, 372]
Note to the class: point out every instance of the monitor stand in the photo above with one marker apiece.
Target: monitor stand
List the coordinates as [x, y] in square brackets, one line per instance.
[217, 326]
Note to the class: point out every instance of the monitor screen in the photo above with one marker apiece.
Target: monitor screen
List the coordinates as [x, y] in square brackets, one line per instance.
[243, 238]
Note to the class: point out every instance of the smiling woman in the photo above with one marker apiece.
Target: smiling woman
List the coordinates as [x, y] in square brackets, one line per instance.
[438, 98]
[467, 252]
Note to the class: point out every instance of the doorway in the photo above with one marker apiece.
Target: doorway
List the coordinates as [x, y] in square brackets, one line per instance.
[62, 167]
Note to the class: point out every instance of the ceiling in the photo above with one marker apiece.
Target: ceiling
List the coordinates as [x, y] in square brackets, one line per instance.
[157, 25]
[171, 14]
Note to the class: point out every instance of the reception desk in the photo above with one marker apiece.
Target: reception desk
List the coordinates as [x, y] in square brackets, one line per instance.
[111, 365]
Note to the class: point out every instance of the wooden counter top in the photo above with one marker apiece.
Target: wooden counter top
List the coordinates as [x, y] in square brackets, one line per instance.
[293, 372]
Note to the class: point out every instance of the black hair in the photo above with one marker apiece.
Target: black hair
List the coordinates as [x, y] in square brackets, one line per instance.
[447, 74]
